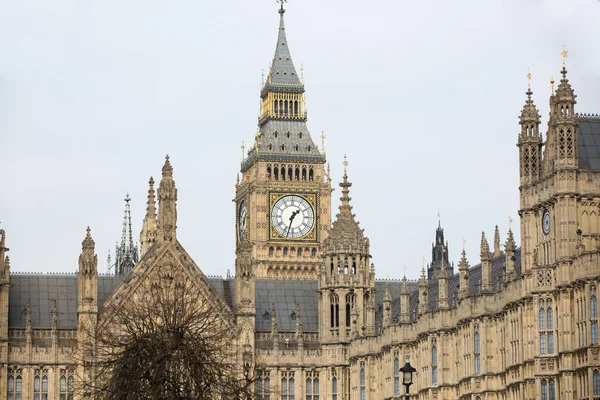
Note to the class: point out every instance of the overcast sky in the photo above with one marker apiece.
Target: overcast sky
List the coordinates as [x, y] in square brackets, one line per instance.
[422, 96]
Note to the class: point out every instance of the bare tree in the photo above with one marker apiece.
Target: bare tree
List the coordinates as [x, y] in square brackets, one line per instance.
[167, 342]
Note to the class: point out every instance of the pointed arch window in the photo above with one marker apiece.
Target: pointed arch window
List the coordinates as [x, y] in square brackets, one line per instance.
[310, 173]
[312, 385]
[282, 146]
[287, 386]
[434, 370]
[546, 325]
[313, 253]
[300, 135]
[477, 349]
[596, 382]
[14, 385]
[285, 251]
[334, 386]
[297, 147]
[547, 389]
[396, 374]
[335, 310]
[66, 386]
[363, 382]
[276, 134]
[263, 385]
[40, 387]
[594, 314]
[349, 306]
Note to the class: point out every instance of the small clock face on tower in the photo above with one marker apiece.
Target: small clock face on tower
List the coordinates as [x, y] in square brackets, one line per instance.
[546, 222]
[292, 217]
[242, 220]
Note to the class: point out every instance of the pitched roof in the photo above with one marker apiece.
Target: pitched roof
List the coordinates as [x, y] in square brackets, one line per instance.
[588, 142]
[42, 289]
[282, 70]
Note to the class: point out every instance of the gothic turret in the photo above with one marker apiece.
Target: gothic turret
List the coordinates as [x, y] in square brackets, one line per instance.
[149, 226]
[561, 144]
[347, 279]
[463, 276]
[510, 248]
[387, 306]
[423, 293]
[404, 301]
[126, 253]
[88, 275]
[283, 134]
[167, 205]
[486, 265]
[529, 142]
[439, 256]
[443, 289]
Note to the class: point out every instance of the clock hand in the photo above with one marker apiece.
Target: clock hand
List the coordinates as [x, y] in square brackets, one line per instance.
[291, 219]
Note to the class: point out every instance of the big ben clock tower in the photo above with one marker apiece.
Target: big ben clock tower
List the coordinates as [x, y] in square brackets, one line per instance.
[283, 199]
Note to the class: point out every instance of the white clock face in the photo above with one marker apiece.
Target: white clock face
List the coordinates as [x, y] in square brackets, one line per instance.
[546, 222]
[292, 217]
[242, 220]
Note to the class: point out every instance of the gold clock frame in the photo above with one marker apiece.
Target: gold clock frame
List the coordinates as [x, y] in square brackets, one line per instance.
[312, 198]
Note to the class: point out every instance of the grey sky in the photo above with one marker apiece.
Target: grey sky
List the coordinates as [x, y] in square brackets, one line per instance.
[422, 96]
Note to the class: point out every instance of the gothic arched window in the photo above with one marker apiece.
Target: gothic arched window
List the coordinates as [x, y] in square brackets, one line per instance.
[594, 314]
[434, 375]
[477, 349]
[596, 382]
[335, 310]
[334, 388]
[396, 374]
[349, 305]
[363, 382]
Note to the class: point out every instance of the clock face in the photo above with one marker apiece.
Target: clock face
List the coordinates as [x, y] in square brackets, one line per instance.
[242, 220]
[292, 217]
[546, 222]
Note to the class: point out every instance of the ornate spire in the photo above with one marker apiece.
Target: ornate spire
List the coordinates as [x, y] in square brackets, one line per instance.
[282, 68]
[149, 226]
[497, 251]
[485, 247]
[510, 242]
[282, 122]
[88, 261]
[564, 92]
[126, 254]
[530, 116]
[167, 204]
[345, 231]
[463, 272]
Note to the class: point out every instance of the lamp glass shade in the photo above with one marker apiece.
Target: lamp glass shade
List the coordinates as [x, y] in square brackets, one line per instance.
[407, 378]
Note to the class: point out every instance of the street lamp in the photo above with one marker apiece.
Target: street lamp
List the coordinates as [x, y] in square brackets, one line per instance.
[407, 373]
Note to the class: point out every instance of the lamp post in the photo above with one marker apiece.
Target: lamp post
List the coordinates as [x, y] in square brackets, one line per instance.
[407, 374]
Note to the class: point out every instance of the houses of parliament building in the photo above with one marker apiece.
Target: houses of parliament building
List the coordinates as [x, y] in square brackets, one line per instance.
[312, 320]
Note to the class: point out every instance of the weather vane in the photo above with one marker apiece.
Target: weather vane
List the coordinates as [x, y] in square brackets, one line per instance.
[464, 242]
[528, 78]
[323, 141]
[345, 164]
[282, 2]
[405, 272]
[243, 147]
[564, 54]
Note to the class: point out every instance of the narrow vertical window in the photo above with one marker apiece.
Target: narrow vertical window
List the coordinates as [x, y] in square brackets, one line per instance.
[594, 315]
[477, 350]
[434, 370]
[596, 382]
[284, 388]
[551, 395]
[396, 374]
[312, 385]
[542, 327]
[363, 385]
[263, 385]
[11, 388]
[549, 323]
[334, 388]
[544, 390]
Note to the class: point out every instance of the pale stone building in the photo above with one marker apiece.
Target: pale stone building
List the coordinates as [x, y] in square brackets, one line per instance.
[313, 321]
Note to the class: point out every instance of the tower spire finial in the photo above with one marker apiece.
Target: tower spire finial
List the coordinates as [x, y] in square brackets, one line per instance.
[282, 10]
[564, 53]
[528, 82]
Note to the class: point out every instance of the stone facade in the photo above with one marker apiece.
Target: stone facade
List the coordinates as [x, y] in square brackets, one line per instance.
[312, 320]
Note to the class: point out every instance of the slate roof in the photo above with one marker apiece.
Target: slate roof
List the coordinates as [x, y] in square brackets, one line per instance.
[588, 143]
[282, 70]
[285, 295]
[42, 289]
